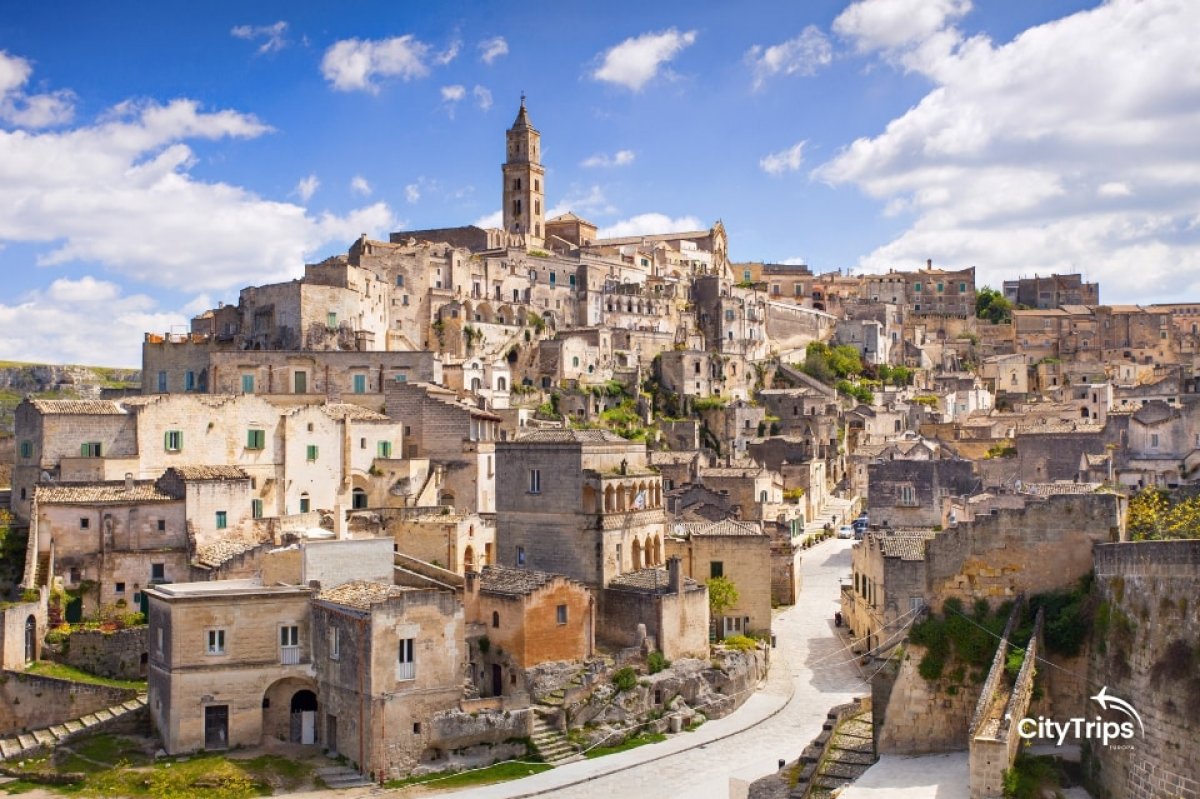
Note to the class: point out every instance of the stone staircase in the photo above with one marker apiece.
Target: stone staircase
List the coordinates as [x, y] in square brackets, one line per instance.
[552, 745]
[850, 753]
[341, 776]
[47, 738]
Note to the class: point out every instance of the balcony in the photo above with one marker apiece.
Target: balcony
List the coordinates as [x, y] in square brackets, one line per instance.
[289, 655]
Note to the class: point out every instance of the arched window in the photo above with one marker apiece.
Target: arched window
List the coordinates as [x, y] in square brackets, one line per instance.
[495, 618]
[304, 503]
[359, 498]
[502, 384]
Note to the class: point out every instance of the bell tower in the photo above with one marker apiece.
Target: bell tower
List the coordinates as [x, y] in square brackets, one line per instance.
[524, 179]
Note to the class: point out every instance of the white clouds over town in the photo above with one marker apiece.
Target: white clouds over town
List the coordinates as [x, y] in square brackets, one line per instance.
[636, 61]
[604, 160]
[788, 160]
[358, 64]
[649, 223]
[493, 48]
[802, 55]
[30, 110]
[1001, 163]
[273, 36]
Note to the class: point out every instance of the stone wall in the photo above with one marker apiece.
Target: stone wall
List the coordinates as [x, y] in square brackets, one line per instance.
[31, 701]
[13, 621]
[120, 654]
[1146, 635]
[921, 717]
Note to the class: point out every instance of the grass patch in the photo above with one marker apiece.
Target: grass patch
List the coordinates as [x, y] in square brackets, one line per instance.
[499, 772]
[100, 753]
[641, 739]
[278, 772]
[48, 668]
[202, 777]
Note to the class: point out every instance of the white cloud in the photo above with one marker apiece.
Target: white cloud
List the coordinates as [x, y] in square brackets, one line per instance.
[354, 64]
[106, 326]
[452, 94]
[619, 158]
[483, 97]
[648, 224]
[412, 192]
[788, 160]
[1012, 162]
[493, 220]
[274, 36]
[359, 185]
[796, 260]
[121, 196]
[307, 187]
[894, 24]
[449, 54]
[493, 48]
[635, 61]
[588, 201]
[30, 110]
[803, 55]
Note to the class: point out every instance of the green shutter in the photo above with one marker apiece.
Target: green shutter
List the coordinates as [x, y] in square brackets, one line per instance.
[83, 451]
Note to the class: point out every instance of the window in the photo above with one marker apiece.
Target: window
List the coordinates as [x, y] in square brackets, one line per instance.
[495, 619]
[940, 287]
[571, 281]
[360, 384]
[962, 287]
[158, 572]
[916, 287]
[289, 645]
[304, 503]
[256, 508]
[521, 555]
[189, 381]
[404, 299]
[1154, 440]
[311, 452]
[535, 481]
[716, 568]
[119, 588]
[84, 522]
[335, 643]
[222, 520]
[400, 280]
[256, 439]
[91, 449]
[331, 319]
[300, 383]
[247, 384]
[906, 496]
[173, 440]
[162, 382]
[26, 449]
[162, 525]
[575, 361]
[384, 449]
[408, 666]
[216, 642]
[561, 614]
[159, 639]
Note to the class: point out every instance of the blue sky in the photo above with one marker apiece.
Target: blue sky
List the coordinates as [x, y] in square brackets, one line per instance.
[155, 158]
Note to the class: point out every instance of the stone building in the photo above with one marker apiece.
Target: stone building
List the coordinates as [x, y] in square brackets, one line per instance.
[657, 608]
[908, 493]
[528, 617]
[460, 542]
[388, 659]
[1051, 291]
[230, 664]
[741, 553]
[582, 503]
[926, 291]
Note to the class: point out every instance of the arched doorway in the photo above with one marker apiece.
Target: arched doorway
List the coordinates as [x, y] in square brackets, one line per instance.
[303, 728]
[469, 559]
[30, 639]
[358, 499]
[637, 554]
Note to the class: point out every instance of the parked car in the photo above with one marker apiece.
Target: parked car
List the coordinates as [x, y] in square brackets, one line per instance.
[845, 531]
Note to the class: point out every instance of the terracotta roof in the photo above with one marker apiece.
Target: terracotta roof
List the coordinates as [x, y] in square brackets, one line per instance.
[725, 527]
[210, 472]
[652, 580]
[361, 594]
[106, 493]
[90, 407]
[906, 546]
[216, 553]
[356, 413]
[561, 436]
[514, 582]
[1060, 487]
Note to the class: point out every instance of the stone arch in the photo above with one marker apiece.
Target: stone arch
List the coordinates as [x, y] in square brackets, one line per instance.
[31, 639]
[469, 559]
[485, 313]
[446, 498]
[469, 312]
[636, 553]
[610, 500]
[621, 497]
[589, 499]
[358, 499]
[285, 704]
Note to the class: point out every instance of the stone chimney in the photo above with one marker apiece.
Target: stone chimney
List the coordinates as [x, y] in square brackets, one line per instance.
[929, 263]
[675, 574]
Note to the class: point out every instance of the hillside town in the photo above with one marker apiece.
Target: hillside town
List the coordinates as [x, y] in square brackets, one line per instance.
[470, 495]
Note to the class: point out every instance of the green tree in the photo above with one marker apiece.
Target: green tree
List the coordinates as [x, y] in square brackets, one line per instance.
[722, 595]
[992, 306]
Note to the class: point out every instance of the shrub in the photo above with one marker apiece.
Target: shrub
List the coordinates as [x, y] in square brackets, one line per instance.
[741, 643]
[656, 661]
[625, 679]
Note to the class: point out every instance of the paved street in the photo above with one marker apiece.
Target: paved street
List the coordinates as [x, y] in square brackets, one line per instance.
[808, 676]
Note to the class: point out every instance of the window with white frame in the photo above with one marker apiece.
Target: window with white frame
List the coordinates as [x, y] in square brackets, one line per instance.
[216, 642]
[335, 643]
[407, 666]
[535, 481]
